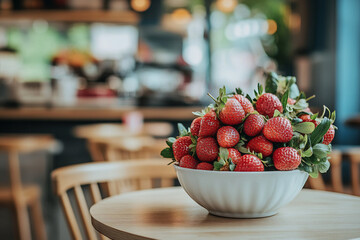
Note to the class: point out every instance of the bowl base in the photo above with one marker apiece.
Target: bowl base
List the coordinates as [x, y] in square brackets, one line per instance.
[242, 215]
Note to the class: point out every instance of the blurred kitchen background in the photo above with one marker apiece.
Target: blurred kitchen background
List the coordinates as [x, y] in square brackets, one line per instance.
[65, 63]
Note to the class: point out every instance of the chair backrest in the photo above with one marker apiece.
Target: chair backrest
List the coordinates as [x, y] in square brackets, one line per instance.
[113, 177]
[13, 145]
[108, 130]
[133, 148]
[107, 142]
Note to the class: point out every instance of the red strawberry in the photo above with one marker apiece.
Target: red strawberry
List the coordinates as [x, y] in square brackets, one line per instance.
[291, 101]
[207, 149]
[205, 166]
[286, 158]
[245, 103]
[181, 147]
[261, 145]
[254, 124]
[278, 129]
[267, 104]
[188, 161]
[306, 118]
[232, 113]
[209, 124]
[249, 163]
[329, 135]
[235, 155]
[195, 126]
[227, 136]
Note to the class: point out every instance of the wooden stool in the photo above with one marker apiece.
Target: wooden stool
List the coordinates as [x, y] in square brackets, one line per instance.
[18, 196]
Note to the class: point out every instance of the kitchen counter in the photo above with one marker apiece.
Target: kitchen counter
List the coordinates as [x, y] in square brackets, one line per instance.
[98, 113]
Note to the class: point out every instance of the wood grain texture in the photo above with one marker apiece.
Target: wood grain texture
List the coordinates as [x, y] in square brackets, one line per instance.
[169, 213]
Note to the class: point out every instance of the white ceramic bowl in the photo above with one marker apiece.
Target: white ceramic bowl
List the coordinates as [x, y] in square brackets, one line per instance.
[241, 194]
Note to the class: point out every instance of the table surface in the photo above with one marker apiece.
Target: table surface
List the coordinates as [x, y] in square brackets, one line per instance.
[169, 213]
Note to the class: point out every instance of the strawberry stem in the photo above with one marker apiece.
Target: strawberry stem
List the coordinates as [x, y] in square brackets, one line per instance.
[212, 97]
[309, 98]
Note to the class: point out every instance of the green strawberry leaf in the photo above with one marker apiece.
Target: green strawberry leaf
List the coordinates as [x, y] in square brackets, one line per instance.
[170, 141]
[301, 104]
[223, 153]
[249, 98]
[321, 150]
[182, 130]
[302, 113]
[199, 114]
[296, 121]
[294, 91]
[268, 162]
[307, 153]
[304, 127]
[276, 113]
[271, 83]
[324, 167]
[304, 167]
[320, 131]
[314, 116]
[260, 89]
[167, 153]
[312, 159]
[314, 174]
[239, 91]
[295, 140]
[304, 141]
[284, 99]
[333, 116]
[218, 165]
[232, 166]
[240, 147]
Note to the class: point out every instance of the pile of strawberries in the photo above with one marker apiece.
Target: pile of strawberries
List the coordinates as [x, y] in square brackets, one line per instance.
[275, 130]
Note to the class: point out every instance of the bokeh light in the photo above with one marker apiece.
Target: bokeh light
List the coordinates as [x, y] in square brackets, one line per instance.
[226, 6]
[272, 26]
[140, 5]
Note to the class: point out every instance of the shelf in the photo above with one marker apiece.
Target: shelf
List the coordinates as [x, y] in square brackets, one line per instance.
[121, 17]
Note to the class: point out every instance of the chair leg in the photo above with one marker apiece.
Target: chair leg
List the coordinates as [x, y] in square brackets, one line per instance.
[317, 183]
[23, 223]
[355, 178]
[38, 220]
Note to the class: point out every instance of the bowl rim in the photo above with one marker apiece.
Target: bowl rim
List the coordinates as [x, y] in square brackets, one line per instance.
[178, 168]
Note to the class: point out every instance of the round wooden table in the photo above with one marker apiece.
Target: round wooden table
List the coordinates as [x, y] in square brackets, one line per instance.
[169, 213]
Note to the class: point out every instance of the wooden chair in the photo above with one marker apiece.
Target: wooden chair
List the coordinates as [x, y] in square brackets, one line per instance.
[335, 172]
[120, 176]
[108, 130]
[21, 197]
[132, 148]
[107, 142]
[354, 157]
